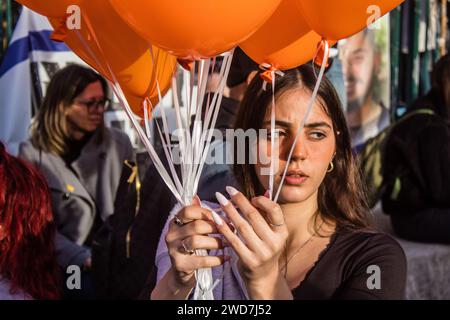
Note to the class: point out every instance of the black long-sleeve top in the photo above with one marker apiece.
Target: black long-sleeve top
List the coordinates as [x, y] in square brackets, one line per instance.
[418, 153]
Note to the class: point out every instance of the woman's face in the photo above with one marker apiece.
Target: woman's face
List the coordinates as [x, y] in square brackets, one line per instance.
[312, 154]
[86, 112]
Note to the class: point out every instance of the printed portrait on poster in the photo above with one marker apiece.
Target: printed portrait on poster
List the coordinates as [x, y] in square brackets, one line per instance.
[366, 68]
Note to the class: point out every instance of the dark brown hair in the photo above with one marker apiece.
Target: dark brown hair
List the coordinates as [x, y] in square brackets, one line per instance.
[49, 129]
[341, 197]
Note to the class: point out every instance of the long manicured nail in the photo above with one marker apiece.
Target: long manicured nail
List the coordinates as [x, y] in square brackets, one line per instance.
[217, 219]
[221, 198]
[231, 191]
[197, 200]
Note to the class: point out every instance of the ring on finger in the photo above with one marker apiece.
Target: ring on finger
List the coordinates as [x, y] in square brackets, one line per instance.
[178, 221]
[186, 250]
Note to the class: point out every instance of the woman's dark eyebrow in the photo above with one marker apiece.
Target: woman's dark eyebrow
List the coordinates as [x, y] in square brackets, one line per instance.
[279, 123]
[286, 124]
[317, 124]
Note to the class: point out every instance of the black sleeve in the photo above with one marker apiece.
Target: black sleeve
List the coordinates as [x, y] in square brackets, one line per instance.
[381, 259]
[434, 155]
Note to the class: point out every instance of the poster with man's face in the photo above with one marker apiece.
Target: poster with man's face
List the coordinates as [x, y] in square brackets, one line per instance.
[366, 69]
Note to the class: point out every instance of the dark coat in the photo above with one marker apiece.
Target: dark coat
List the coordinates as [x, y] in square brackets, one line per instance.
[418, 151]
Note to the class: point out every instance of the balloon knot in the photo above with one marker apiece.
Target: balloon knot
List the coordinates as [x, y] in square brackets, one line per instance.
[320, 57]
[187, 64]
[269, 73]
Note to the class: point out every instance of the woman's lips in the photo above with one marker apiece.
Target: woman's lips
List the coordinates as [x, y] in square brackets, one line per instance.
[295, 179]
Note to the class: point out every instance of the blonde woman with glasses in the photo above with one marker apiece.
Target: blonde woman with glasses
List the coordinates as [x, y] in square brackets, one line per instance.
[80, 158]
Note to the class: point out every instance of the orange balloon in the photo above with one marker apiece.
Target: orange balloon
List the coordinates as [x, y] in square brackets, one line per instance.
[285, 41]
[338, 20]
[76, 45]
[50, 8]
[105, 42]
[134, 101]
[127, 54]
[135, 104]
[194, 29]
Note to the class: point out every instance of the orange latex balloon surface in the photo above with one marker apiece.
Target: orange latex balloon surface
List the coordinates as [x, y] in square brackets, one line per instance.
[194, 29]
[137, 106]
[127, 54]
[107, 44]
[339, 19]
[285, 41]
[89, 55]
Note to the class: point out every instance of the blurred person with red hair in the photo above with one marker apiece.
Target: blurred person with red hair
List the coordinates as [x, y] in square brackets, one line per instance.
[28, 267]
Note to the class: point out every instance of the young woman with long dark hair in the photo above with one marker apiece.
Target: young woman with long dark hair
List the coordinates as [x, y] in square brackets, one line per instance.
[315, 242]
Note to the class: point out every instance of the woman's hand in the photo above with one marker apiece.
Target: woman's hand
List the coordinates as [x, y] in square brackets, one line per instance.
[263, 233]
[188, 232]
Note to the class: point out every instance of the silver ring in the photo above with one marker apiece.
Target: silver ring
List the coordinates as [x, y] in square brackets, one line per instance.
[178, 222]
[189, 252]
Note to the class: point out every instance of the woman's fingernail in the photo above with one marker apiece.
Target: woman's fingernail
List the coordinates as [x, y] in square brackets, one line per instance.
[231, 191]
[221, 198]
[217, 219]
[197, 200]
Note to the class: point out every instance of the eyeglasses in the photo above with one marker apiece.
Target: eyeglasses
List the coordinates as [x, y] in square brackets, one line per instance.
[104, 103]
